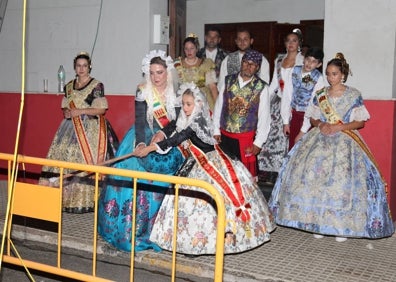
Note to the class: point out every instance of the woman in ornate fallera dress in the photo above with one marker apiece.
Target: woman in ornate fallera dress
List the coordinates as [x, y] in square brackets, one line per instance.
[330, 183]
[84, 126]
[191, 68]
[155, 106]
[275, 149]
[248, 220]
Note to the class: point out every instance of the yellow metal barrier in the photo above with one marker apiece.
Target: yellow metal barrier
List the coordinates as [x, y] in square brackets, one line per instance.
[44, 203]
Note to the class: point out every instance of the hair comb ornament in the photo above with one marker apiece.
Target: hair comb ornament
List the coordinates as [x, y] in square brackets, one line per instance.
[339, 56]
[83, 53]
[156, 53]
[193, 35]
[299, 33]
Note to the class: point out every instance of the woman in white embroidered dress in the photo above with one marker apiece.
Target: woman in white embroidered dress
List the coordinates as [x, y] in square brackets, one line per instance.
[275, 149]
[248, 221]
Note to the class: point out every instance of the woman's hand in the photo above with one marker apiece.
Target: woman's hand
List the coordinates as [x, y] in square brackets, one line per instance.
[217, 138]
[142, 151]
[256, 150]
[214, 91]
[328, 128]
[70, 113]
[66, 113]
[299, 136]
[140, 146]
[286, 129]
[157, 137]
[76, 112]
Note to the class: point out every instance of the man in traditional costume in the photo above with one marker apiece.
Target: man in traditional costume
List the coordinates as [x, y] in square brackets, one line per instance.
[242, 112]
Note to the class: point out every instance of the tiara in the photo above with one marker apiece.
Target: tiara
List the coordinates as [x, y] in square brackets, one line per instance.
[156, 53]
[188, 85]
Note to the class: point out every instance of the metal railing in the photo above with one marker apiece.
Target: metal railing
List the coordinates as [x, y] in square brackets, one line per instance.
[45, 203]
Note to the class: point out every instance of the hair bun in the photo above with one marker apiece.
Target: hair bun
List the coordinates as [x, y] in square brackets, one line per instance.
[339, 56]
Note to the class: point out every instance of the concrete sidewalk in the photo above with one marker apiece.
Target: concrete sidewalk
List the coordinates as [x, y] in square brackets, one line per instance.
[291, 255]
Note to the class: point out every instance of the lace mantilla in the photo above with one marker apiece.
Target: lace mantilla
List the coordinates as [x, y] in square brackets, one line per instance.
[200, 120]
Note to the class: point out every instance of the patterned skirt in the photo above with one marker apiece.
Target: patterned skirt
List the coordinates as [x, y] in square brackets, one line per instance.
[116, 197]
[78, 190]
[276, 147]
[197, 217]
[328, 185]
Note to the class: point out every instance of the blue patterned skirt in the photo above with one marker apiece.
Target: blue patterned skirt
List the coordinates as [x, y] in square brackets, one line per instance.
[328, 185]
[116, 198]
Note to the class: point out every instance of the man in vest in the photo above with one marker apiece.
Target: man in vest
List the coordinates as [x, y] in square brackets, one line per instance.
[212, 50]
[232, 63]
[242, 112]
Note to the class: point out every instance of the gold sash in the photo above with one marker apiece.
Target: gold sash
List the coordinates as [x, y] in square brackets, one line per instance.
[333, 118]
[85, 147]
[327, 109]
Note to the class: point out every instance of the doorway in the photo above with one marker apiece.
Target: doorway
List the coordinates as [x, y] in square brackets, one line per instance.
[269, 36]
[177, 18]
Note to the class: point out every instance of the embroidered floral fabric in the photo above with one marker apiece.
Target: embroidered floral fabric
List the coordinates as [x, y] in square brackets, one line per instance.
[328, 184]
[197, 215]
[78, 191]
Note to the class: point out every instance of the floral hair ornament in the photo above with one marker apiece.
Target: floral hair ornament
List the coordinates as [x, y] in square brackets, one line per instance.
[188, 85]
[307, 79]
[156, 53]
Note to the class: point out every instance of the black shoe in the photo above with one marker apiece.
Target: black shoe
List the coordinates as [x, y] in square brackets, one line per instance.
[78, 210]
[263, 176]
[190, 256]
[271, 179]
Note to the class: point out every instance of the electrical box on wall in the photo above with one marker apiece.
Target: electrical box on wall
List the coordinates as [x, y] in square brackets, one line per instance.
[161, 29]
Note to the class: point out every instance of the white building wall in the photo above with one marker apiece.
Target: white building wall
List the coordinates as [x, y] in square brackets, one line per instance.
[364, 31]
[57, 30]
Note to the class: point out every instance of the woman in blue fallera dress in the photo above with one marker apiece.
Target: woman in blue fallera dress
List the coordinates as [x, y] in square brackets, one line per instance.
[155, 106]
[329, 183]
